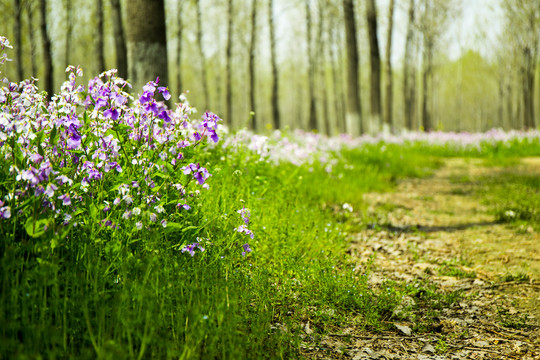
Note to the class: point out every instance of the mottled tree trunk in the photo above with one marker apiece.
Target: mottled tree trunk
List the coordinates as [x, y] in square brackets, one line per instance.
[48, 77]
[119, 39]
[321, 68]
[408, 75]
[388, 118]
[426, 84]
[375, 65]
[99, 39]
[275, 76]
[202, 56]
[353, 116]
[146, 42]
[228, 70]
[18, 42]
[251, 64]
[69, 31]
[312, 118]
[30, 21]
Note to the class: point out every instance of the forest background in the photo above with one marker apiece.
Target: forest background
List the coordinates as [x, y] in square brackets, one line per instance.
[333, 66]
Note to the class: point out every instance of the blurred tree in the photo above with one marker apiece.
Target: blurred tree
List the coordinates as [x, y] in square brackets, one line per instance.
[353, 117]
[312, 117]
[523, 23]
[18, 41]
[146, 42]
[202, 57]
[30, 23]
[409, 70]
[119, 39]
[276, 121]
[69, 30]
[99, 37]
[388, 122]
[48, 77]
[374, 119]
[251, 64]
[228, 51]
[179, 51]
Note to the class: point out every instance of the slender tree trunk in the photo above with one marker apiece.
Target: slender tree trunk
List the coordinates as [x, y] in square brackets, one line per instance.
[30, 21]
[99, 45]
[48, 77]
[228, 55]
[312, 120]
[119, 39]
[146, 42]
[251, 65]
[509, 103]
[275, 76]
[388, 118]
[426, 82]
[375, 64]
[18, 42]
[202, 57]
[337, 87]
[69, 30]
[353, 116]
[500, 109]
[321, 68]
[408, 77]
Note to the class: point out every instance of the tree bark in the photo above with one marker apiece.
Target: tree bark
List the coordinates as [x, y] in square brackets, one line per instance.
[48, 77]
[99, 38]
[275, 76]
[388, 115]
[312, 119]
[408, 76]
[119, 39]
[251, 64]
[30, 21]
[69, 31]
[426, 84]
[146, 42]
[202, 56]
[321, 64]
[375, 65]
[228, 87]
[18, 42]
[353, 116]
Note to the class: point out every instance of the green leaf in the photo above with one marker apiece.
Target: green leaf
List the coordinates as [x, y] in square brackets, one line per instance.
[37, 227]
[52, 136]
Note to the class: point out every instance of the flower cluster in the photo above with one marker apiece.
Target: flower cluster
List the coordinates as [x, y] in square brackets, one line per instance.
[95, 154]
[243, 229]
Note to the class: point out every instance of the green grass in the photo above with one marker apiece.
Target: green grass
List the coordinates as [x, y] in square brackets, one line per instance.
[123, 300]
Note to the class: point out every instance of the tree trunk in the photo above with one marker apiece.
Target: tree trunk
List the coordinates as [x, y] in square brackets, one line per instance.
[408, 77]
[228, 88]
[48, 77]
[312, 120]
[146, 42]
[18, 42]
[30, 21]
[275, 76]
[321, 68]
[388, 118]
[252, 44]
[99, 40]
[69, 31]
[375, 65]
[353, 116]
[426, 82]
[202, 57]
[119, 39]
[337, 82]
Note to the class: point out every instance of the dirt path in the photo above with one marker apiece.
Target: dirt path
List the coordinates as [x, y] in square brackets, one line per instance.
[437, 232]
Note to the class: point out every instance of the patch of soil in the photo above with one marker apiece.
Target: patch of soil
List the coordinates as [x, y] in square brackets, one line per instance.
[436, 230]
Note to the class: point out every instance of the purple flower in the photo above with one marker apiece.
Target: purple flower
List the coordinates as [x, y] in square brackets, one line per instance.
[111, 114]
[243, 229]
[247, 249]
[191, 248]
[5, 212]
[66, 200]
[164, 92]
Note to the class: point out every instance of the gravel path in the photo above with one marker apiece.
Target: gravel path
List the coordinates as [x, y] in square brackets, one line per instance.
[437, 231]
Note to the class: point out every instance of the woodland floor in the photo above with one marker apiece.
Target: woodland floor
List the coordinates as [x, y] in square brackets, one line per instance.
[439, 231]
